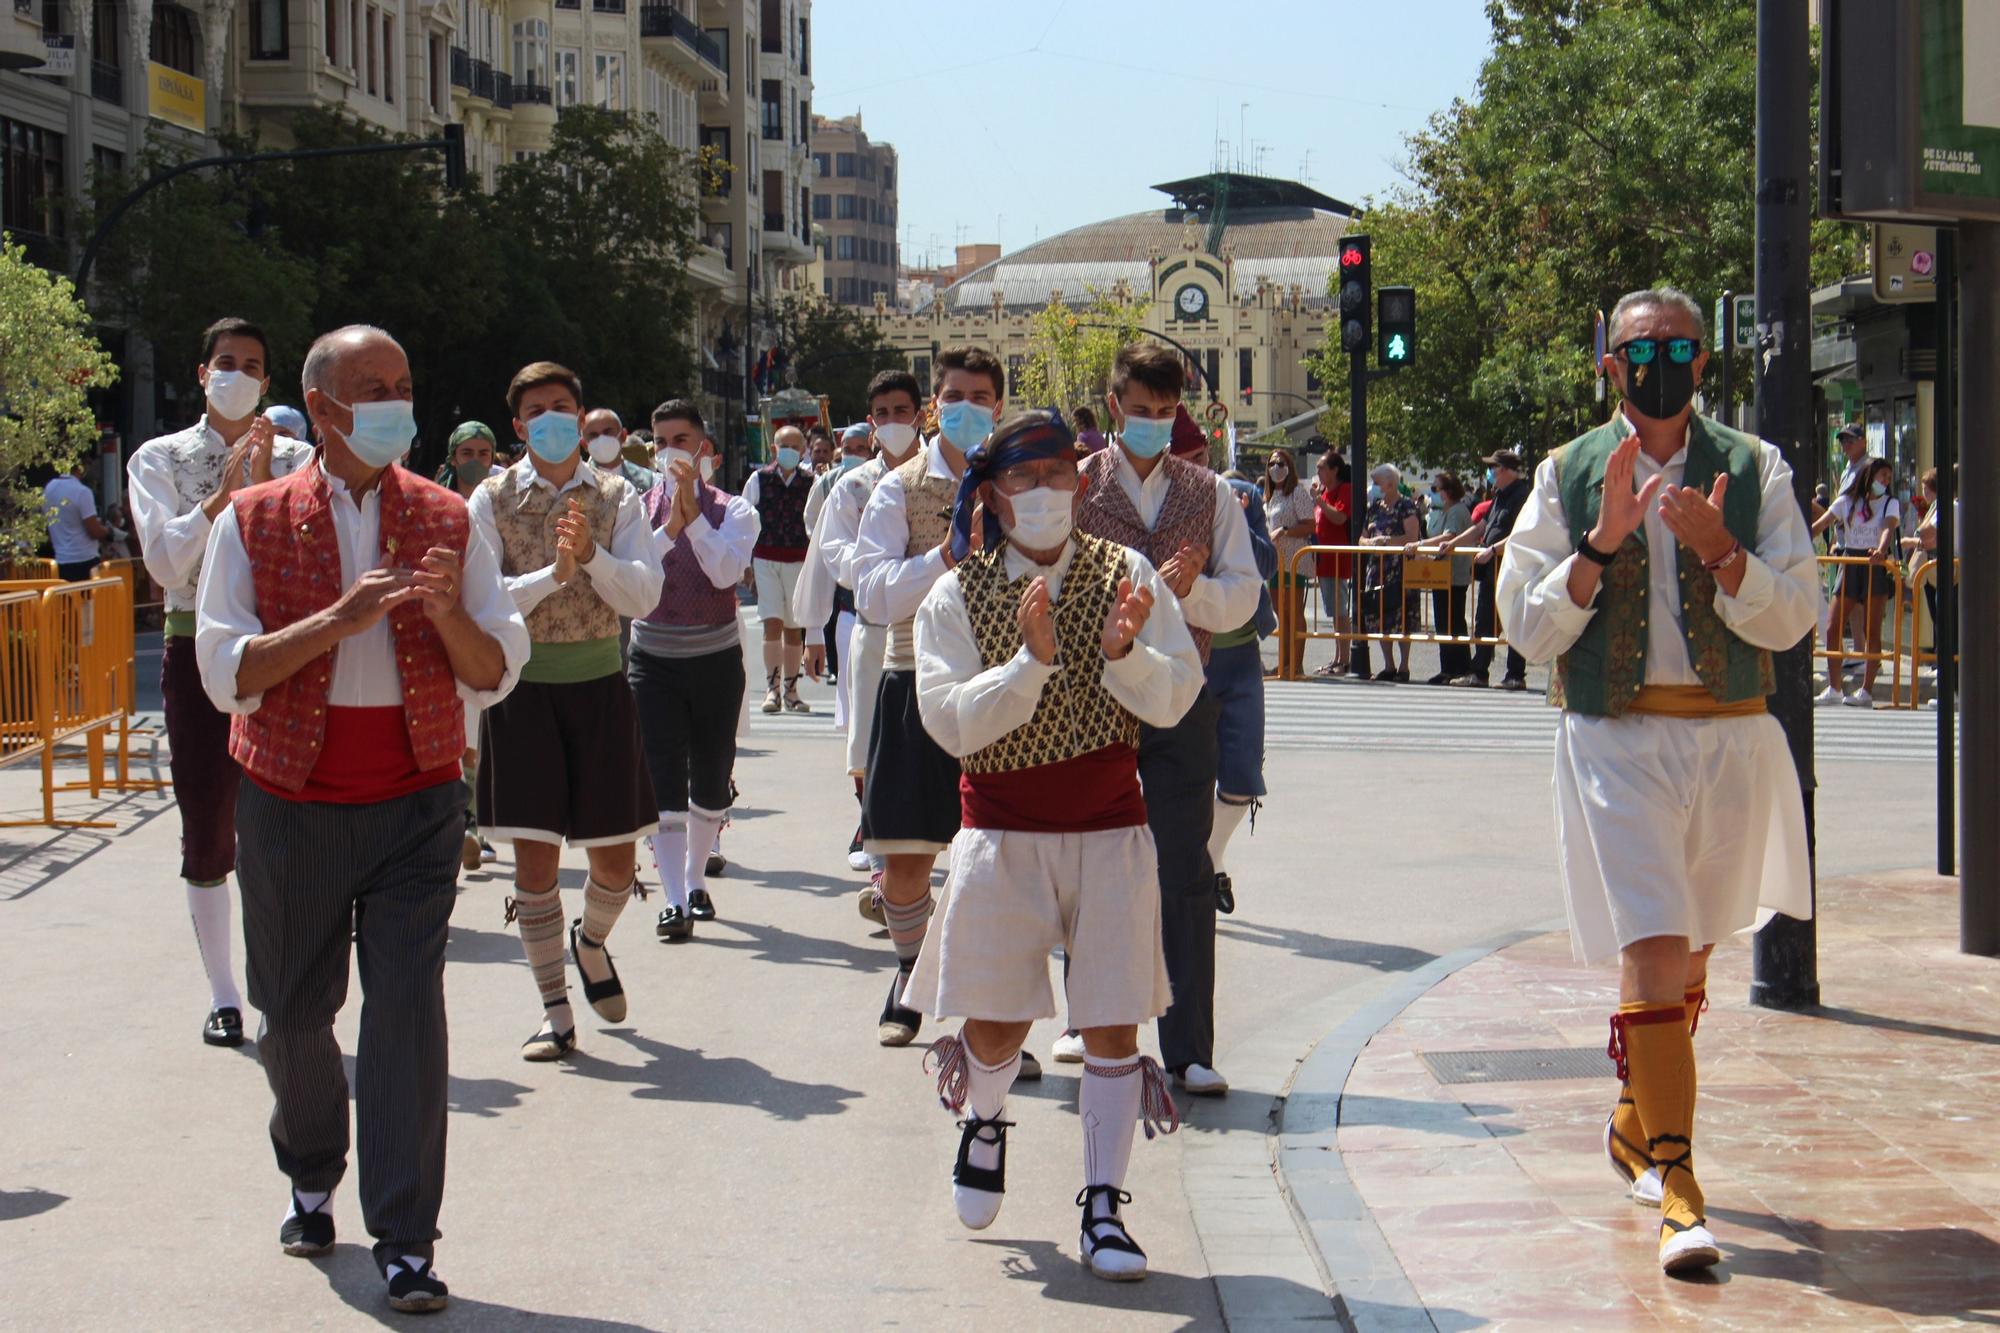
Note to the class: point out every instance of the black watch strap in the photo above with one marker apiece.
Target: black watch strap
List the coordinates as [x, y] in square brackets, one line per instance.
[1592, 554]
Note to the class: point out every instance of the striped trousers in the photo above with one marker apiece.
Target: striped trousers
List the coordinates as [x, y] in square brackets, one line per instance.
[303, 868]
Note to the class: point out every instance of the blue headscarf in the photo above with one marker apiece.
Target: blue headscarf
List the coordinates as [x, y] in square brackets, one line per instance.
[1022, 437]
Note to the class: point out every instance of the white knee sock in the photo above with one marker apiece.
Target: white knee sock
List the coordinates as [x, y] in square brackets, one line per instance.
[208, 906]
[702, 829]
[1108, 1105]
[1228, 816]
[670, 854]
[986, 1088]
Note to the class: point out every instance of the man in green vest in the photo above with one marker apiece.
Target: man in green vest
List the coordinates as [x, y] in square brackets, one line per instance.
[1660, 562]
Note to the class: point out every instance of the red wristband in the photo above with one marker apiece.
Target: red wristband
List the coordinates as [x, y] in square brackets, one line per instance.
[1728, 558]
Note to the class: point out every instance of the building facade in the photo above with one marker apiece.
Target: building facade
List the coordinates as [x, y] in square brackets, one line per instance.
[855, 208]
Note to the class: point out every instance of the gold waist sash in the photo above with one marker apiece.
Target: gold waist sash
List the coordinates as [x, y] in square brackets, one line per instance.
[1690, 701]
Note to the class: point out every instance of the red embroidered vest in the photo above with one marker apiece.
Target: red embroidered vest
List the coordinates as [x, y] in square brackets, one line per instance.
[687, 597]
[1186, 515]
[287, 528]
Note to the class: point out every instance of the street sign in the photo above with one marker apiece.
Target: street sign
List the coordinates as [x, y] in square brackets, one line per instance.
[1903, 259]
[61, 62]
[1746, 321]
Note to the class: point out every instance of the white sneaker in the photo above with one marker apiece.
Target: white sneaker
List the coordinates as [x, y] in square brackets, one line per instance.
[1860, 699]
[1646, 1188]
[1829, 697]
[1931, 704]
[1202, 1081]
[858, 861]
[1068, 1049]
[1692, 1248]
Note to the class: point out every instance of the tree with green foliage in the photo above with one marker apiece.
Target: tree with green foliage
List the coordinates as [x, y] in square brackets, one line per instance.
[1609, 147]
[1070, 351]
[828, 349]
[49, 362]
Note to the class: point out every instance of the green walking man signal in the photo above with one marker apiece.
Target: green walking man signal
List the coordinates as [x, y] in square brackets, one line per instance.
[1396, 326]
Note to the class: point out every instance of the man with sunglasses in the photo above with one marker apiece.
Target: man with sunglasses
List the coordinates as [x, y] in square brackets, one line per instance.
[1661, 562]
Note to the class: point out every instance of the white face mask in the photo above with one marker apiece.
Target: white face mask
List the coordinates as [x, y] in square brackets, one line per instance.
[896, 437]
[605, 449]
[1042, 518]
[232, 394]
[708, 467]
[668, 457]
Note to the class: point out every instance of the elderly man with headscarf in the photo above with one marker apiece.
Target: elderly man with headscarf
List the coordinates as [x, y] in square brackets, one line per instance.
[1038, 657]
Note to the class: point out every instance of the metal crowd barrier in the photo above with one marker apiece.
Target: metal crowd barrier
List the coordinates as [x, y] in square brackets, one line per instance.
[65, 674]
[1421, 576]
[1872, 605]
[1924, 575]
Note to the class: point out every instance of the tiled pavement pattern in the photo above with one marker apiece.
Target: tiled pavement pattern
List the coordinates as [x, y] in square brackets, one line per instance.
[1850, 1156]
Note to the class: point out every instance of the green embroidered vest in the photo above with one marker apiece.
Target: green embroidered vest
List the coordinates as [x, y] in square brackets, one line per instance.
[1604, 669]
[1076, 714]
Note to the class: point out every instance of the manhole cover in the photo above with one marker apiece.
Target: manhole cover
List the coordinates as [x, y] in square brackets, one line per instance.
[1516, 1066]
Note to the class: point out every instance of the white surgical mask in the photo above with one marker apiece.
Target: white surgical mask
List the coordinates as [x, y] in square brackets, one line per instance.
[708, 467]
[232, 394]
[1042, 518]
[668, 457]
[604, 450]
[896, 437]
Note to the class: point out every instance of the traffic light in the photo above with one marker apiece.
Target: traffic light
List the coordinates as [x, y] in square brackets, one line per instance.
[454, 158]
[1354, 291]
[1396, 327]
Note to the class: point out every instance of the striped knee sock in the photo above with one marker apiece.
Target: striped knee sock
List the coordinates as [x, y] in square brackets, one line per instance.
[601, 907]
[907, 924]
[541, 919]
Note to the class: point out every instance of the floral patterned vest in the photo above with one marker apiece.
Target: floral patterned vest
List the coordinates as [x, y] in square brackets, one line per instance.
[195, 459]
[927, 504]
[525, 514]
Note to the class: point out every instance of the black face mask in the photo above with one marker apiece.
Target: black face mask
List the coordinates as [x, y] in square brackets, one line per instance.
[1660, 390]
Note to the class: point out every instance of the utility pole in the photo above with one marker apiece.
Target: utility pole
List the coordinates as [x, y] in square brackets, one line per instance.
[1784, 960]
[1978, 611]
[1944, 625]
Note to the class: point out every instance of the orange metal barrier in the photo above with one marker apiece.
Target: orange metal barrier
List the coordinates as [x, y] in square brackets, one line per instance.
[1421, 575]
[65, 673]
[1872, 606]
[21, 733]
[30, 568]
[1924, 575]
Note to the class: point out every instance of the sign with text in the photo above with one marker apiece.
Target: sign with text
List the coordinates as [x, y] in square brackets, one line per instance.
[176, 97]
[61, 59]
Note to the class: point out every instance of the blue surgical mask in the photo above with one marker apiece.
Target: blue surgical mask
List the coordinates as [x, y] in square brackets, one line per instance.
[1147, 437]
[382, 432]
[965, 423]
[553, 436]
[788, 459]
[1877, 489]
[849, 462]
[1489, 476]
[1374, 494]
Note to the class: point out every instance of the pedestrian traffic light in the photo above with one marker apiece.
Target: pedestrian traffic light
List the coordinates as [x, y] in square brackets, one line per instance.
[454, 158]
[1396, 326]
[1354, 288]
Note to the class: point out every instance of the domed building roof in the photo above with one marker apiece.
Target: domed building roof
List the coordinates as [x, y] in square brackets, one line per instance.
[1279, 232]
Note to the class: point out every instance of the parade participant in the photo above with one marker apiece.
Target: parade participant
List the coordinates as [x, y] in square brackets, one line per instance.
[823, 597]
[604, 437]
[347, 615]
[1677, 803]
[560, 760]
[180, 484]
[777, 491]
[1235, 677]
[687, 662]
[470, 462]
[471, 456]
[1187, 522]
[1039, 655]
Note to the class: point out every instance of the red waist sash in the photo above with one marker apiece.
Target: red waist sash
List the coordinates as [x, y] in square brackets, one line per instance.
[1088, 794]
[784, 555]
[366, 757]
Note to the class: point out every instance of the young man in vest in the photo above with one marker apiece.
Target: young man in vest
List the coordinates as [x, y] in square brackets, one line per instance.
[182, 483]
[1185, 520]
[347, 616]
[778, 492]
[893, 412]
[561, 760]
[687, 662]
[1659, 564]
[1039, 655]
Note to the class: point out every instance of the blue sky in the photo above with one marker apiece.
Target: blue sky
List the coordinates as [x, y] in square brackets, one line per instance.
[1028, 117]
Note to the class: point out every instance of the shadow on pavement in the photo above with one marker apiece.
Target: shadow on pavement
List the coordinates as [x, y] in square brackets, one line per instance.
[777, 945]
[674, 1074]
[465, 1096]
[467, 945]
[800, 881]
[1926, 1272]
[1064, 1278]
[1428, 1117]
[352, 1275]
[30, 1202]
[1858, 1018]
[1326, 948]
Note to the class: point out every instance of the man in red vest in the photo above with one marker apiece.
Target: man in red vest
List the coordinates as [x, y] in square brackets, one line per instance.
[346, 617]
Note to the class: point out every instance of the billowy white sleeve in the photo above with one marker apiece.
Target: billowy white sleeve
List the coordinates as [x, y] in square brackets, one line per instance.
[1159, 680]
[887, 586]
[966, 707]
[485, 598]
[226, 616]
[840, 522]
[1536, 612]
[626, 573]
[1224, 596]
[752, 490]
[170, 542]
[722, 551]
[812, 598]
[1778, 602]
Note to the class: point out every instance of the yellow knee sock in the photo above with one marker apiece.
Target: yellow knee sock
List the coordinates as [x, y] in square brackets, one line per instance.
[1659, 1062]
[1627, 1136]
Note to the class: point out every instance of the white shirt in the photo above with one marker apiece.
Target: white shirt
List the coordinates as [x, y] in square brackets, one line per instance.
[888, 585]
[832, 549]
[627, 573]
[753, 491]
[1777, 604]
[967, 706]
[364, 664]
[66, 502]
[1225, 595]
[169, 478]
[1863, 532]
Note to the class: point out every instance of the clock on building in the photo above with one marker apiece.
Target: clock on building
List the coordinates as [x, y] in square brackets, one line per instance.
[1192, 301]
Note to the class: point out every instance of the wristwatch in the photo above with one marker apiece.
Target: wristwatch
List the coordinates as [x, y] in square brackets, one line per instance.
[1593, 555]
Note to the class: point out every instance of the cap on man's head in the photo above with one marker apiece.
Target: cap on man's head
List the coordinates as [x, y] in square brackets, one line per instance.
[859, 433]
[1506, 458]
[1852, 431]
[471, 430]
[289, 420]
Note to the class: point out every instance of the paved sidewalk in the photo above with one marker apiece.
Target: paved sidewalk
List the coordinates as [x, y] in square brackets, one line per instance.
[1850, 1154]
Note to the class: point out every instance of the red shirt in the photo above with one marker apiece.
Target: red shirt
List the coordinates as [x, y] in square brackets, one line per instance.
[1328, 533]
